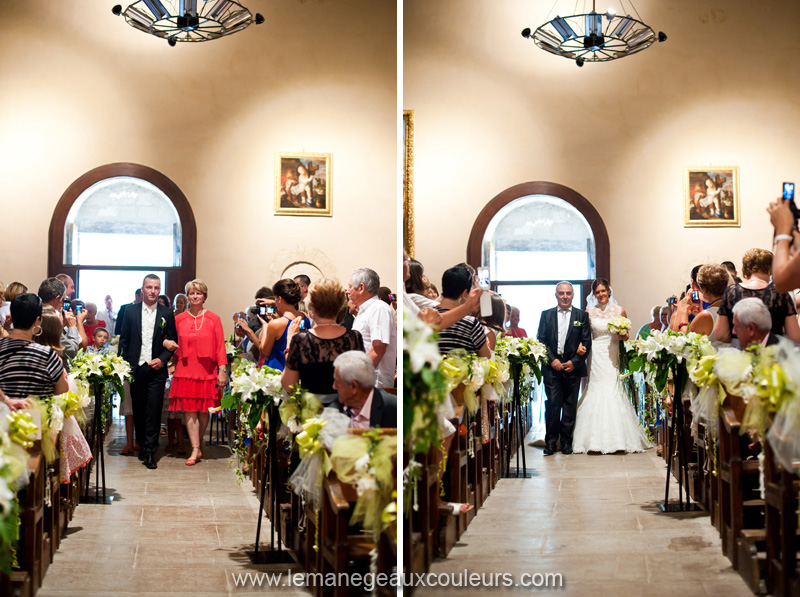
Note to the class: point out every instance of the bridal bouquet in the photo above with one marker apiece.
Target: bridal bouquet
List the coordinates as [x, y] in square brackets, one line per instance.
[619, 325]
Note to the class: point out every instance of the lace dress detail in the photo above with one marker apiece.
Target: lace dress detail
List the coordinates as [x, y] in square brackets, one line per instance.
[606, 420]
[312, 357]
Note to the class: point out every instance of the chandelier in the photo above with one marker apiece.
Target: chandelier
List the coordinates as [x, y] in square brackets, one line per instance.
[594, 37]
[183, 20]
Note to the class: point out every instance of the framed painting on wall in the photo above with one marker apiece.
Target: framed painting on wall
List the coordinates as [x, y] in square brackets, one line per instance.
[711, 196]
[303, 184]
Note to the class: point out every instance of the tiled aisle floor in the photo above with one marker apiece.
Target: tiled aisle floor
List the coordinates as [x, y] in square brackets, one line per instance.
[176, 530]
[593, 519]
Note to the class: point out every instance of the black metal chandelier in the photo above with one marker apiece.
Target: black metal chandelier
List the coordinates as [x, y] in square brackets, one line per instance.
[185, 21]
[594, 37]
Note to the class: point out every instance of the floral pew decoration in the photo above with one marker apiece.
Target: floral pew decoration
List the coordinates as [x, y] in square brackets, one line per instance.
[528, 354]
[105, 373]
[425, 386]
[17, 435]
[252, 390]
[366, 461]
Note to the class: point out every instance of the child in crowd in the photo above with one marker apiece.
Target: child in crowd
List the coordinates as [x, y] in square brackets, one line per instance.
[100, 338]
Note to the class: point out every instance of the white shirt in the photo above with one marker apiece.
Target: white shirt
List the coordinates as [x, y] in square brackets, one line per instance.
[375, 321]
[110, 317]
[148, 326]
[563, 328]
[361, 420]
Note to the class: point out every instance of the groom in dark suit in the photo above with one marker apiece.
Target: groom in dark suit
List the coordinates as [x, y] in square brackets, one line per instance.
[563, 329]
[144, 329]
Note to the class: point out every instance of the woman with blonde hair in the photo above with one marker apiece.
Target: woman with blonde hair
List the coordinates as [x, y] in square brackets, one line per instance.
[312, 352]
[200, 371]
[9, 293]
[756, 270]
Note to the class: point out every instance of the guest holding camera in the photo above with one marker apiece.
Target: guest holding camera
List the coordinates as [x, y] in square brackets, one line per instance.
[712, 280]
[786, 266]
[312, 352]
[275, 333]
[200, 371]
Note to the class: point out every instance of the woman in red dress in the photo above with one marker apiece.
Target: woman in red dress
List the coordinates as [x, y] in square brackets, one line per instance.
[200, 372]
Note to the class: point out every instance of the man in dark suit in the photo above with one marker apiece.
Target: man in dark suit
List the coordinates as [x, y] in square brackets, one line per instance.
[145, 327]
[354, 381]
[563, 330]
[137, 298]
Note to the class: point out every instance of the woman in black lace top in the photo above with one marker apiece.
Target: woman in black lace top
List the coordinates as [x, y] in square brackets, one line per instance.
[311, 353]
[756, 267]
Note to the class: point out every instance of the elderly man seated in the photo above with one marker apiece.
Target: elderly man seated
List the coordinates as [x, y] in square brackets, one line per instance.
[752, 323]
[354, 381]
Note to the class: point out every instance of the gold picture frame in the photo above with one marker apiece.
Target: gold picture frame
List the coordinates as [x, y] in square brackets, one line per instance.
[711, 197]
[408, 181]
[303, 184]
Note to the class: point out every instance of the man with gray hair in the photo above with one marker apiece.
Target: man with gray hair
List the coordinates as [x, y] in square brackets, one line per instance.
[53, 292]
[376, 323]
[354, 381]
[752, 323]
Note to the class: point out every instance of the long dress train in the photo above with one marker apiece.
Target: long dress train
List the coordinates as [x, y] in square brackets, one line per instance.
[606, 420]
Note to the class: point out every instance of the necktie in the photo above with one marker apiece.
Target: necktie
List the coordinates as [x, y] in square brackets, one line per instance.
[349, 412]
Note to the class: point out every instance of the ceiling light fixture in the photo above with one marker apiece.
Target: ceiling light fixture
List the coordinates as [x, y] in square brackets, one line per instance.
[185, 21]
[585, 37]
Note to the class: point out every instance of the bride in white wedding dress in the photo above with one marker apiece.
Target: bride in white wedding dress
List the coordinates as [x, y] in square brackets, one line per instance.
[606, 420]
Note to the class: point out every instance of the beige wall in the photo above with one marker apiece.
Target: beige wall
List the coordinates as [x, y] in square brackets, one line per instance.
[493, 110]
[80, 88]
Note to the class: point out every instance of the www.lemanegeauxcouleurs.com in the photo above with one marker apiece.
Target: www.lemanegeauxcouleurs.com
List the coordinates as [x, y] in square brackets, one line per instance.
[368, 582]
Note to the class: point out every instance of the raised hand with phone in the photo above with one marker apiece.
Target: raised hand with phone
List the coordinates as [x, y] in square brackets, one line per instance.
[784, 215]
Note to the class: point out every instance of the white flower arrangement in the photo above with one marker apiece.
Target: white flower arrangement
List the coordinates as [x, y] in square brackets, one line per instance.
[420, 344]
[249, 379]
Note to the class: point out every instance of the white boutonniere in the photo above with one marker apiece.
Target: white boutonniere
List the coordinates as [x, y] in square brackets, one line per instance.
[163, 323]
[577, 324]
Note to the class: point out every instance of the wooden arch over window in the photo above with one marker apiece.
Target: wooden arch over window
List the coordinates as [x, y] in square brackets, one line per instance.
[552, 189]
[177, 277]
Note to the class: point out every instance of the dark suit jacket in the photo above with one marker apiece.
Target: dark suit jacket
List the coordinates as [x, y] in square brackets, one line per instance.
[382, 414]
[579, 332]
[121, 319]
[130, 340]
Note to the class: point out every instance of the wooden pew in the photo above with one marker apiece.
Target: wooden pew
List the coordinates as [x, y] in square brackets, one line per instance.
[341, 544]
[740, 508]
[782, 543]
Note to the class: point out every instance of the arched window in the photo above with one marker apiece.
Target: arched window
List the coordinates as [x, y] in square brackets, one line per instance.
[534, 235]
[117, 223]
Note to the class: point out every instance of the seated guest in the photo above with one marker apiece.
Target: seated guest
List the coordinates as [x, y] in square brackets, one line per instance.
[27, 368]
[756, 268]
[467, 332]
[91, 323]
[275, 333]
[376, 322]
[354, 381]
[312, 352]
[712, 280]
[752, 323]
[513, 330]
[655, 323]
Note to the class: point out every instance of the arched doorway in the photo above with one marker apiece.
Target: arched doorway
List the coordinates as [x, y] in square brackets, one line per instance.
[117, 223]
[533, 235]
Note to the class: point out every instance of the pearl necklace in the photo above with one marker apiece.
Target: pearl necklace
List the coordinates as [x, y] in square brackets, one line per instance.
[202, 321]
